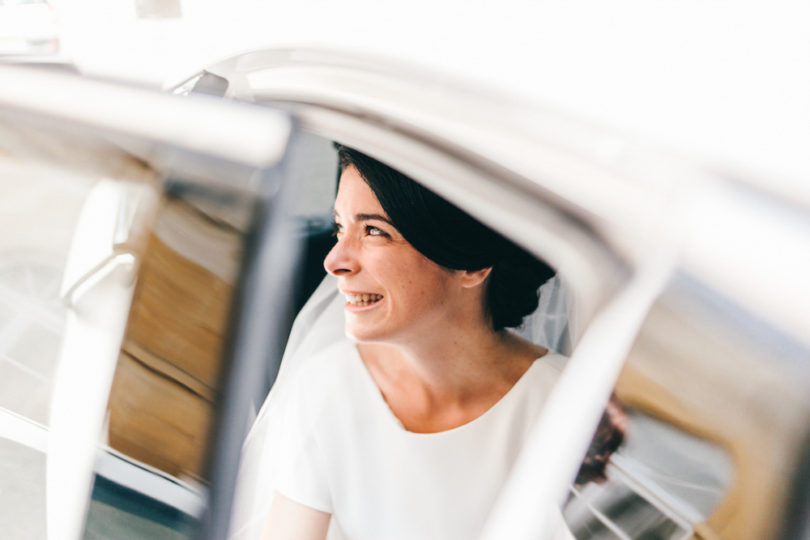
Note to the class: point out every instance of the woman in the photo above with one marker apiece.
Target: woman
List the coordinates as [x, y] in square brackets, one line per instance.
[408, 428]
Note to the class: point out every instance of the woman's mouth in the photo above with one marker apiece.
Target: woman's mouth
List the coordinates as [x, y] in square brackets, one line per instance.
[363, 300]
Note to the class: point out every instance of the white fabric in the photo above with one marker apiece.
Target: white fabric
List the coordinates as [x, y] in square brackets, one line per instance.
[549, 325]
[318, 326]
[347, 454]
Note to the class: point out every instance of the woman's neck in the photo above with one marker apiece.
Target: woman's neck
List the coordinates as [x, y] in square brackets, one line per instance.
[437, 385]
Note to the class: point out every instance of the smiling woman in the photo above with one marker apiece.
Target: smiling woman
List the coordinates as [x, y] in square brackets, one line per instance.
[393, 292]
[444, 235]
[428, 389]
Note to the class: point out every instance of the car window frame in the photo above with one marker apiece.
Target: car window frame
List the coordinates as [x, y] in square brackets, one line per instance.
[623, 290]
[191, 141]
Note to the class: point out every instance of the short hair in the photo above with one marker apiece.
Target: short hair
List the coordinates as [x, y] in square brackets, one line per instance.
[451, 238]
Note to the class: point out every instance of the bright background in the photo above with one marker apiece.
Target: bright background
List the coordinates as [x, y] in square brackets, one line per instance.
[724, 82]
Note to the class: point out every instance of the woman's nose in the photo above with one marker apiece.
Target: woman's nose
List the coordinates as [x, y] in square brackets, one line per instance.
[341, 259]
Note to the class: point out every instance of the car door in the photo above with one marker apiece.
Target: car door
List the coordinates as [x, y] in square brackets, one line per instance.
[138, 317]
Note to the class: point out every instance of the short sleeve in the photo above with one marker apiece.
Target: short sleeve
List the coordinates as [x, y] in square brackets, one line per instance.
[301, 472]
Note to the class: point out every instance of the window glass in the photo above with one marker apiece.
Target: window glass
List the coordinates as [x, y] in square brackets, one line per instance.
[62, 239]
[44, 187]
[39, 210]
[164, 393]
[169, 375]
[716, 397]
[119, 267]
[660, 482]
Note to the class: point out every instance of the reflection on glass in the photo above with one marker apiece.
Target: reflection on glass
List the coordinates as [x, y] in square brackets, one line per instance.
[614, 510]
[162, 404]
[45, 182]
[661, 483]
[687, 469]
[32, 256]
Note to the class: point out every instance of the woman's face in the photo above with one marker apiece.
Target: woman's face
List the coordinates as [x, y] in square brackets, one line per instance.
[393, 292]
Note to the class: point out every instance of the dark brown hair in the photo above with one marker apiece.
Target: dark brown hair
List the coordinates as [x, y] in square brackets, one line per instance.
[453, 239]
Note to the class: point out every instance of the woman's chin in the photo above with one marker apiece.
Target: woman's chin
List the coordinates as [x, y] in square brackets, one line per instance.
[367, 333]
[360, 335]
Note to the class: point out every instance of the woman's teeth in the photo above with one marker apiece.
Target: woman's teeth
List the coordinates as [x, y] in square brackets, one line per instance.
[363, 299]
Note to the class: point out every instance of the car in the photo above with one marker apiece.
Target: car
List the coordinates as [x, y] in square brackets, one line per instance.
[199, 217]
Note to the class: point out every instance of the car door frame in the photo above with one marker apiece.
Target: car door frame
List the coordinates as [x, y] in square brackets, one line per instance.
[196, 142]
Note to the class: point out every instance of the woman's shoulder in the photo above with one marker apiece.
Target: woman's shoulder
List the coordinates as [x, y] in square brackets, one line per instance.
[542, 359]
[553, 360]
[545, 371]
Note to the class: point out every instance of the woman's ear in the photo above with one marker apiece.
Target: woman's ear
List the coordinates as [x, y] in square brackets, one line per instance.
[473, 278]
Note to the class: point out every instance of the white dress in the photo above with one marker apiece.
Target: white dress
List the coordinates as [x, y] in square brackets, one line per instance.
[318, 328]
[345, 453]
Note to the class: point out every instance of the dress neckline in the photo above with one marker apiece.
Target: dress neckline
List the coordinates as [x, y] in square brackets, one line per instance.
[382, 407]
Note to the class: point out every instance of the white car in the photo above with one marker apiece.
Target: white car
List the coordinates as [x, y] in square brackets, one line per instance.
[198, 224]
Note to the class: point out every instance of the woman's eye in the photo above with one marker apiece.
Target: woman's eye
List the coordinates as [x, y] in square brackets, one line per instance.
[337, 228]
[374, 231]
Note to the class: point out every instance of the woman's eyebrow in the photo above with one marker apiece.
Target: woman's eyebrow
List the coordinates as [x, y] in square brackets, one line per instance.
[366, 217]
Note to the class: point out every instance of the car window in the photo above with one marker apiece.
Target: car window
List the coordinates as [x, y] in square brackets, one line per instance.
[151, 480]
[119, 281]
[714, 395]
[711, 418]
[661, 483]
[547, 327]
[32, 258]
[689, 465]
[44, 194]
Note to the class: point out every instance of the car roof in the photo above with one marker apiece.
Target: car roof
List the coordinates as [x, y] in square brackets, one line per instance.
[724, 86]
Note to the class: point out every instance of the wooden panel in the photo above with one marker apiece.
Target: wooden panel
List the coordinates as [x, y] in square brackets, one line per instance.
[158, 421]
[180, 312]
[168, 376]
